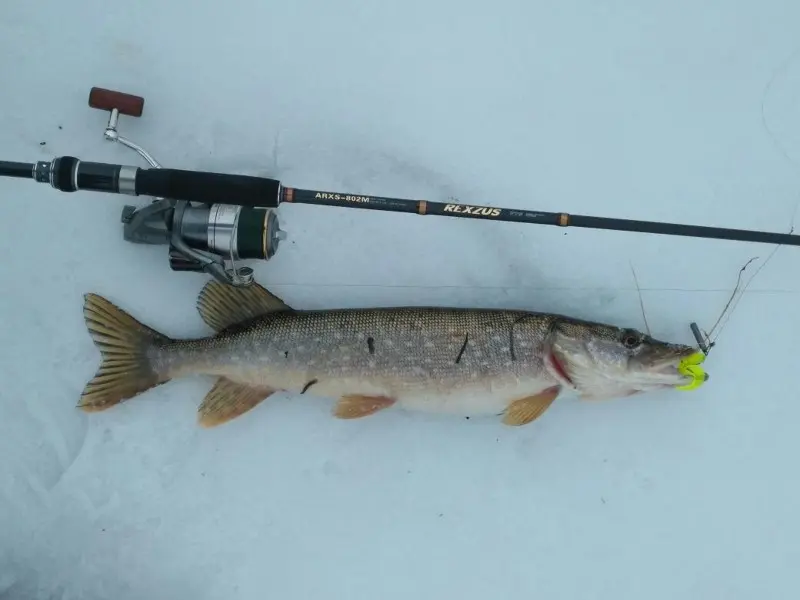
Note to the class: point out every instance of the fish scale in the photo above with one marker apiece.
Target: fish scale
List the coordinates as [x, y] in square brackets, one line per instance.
[423, 343]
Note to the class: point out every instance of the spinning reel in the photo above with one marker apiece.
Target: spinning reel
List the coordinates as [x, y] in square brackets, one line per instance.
[211, 222]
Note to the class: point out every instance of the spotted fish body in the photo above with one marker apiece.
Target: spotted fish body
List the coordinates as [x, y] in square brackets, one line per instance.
[444, 360]
[441, 360]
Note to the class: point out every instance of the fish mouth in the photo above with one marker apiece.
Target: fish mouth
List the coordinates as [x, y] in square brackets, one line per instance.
[669, 366]
[667, 371]
[672, 375]
[674, 368]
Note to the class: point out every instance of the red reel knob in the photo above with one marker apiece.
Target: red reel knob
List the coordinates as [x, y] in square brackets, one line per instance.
[126, 104]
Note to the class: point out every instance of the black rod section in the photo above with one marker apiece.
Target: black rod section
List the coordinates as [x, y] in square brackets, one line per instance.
[16, 169]
[720, 233]
[208, 187]
[491, 213]
[318, 198]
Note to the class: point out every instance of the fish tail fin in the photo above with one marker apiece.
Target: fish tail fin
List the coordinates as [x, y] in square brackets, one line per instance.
[127, 347]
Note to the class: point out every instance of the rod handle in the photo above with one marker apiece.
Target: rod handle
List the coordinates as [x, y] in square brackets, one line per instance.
[208, 187]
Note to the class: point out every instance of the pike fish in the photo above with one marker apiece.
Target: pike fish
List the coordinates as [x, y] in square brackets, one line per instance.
[463, 361]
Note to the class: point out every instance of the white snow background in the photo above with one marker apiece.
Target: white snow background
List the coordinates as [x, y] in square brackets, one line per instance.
[677, 111]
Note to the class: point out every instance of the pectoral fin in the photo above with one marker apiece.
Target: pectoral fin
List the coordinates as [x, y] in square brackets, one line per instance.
[228, 400]
[356, 406]
[525, 410]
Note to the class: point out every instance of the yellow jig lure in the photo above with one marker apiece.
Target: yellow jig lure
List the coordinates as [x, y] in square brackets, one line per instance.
[690, 366]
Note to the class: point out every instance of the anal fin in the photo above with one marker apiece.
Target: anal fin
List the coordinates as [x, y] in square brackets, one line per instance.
[357, 406]
[524, 410]
[228, 400]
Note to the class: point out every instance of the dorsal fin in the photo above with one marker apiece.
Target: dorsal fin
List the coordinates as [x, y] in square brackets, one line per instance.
[222, 305]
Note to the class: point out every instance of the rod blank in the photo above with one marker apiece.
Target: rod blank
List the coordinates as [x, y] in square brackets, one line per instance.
[491, 213]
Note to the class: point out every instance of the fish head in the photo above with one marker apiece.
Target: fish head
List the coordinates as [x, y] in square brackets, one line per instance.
[604, 361]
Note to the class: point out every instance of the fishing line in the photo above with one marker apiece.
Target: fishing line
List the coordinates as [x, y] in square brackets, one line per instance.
[774, 250]
[730, 306]
[730, 300]
[641, 300]
[744, 289]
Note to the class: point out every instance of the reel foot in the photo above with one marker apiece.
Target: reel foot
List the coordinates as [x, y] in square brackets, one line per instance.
[125, 104]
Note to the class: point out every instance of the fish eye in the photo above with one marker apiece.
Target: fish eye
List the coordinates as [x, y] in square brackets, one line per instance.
[631, 339]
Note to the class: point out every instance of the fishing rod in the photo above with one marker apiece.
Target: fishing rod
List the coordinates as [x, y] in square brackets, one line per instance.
[214, 221]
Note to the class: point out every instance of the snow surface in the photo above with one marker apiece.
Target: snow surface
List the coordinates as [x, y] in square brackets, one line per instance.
[678, 111]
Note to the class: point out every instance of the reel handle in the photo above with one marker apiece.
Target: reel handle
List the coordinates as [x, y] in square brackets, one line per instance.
[110, 100]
